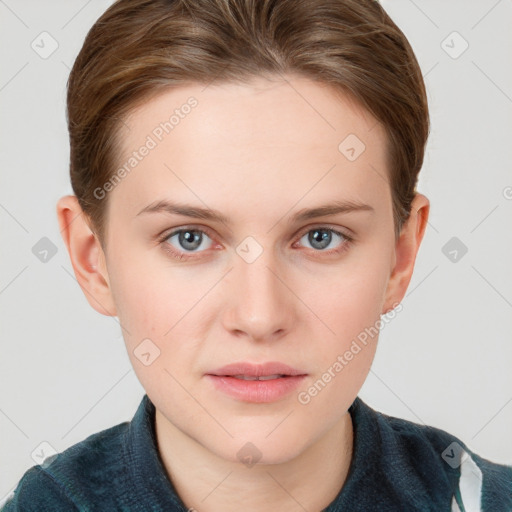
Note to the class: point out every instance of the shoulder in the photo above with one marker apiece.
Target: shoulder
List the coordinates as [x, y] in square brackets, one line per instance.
[74, 478]
[438, 458]
[38, 491]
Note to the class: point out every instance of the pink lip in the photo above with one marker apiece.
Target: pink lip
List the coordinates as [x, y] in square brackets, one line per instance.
[257, 391]
[256, 370]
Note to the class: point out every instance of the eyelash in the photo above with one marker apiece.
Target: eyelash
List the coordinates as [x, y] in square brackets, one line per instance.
[183, 256]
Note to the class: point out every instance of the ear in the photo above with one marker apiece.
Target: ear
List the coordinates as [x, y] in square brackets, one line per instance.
[406, 250]
[86, 254]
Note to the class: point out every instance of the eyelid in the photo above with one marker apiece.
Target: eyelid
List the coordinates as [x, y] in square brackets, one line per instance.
[345, 232]
[170, 232]
[342, 231]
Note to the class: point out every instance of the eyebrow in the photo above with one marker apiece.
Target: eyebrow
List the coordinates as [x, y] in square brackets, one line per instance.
[173, 208]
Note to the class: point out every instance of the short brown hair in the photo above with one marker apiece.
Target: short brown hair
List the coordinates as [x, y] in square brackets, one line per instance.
[139, 48]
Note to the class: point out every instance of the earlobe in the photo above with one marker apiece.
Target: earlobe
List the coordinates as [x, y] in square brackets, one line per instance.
[406, 251]
[86, 255]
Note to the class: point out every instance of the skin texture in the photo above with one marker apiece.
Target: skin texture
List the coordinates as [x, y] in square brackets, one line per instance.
[258, 153]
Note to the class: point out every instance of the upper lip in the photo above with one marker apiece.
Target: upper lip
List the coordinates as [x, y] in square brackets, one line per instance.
[256, 369]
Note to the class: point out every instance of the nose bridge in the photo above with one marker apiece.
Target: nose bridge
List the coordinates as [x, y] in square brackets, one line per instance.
[261, 306]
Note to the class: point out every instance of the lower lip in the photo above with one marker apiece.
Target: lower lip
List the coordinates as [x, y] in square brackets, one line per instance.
[257, 391]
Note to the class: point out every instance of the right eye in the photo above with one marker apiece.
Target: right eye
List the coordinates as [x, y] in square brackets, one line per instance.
[182, 243]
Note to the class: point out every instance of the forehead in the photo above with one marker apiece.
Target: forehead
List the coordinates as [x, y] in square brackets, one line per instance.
[261, 141]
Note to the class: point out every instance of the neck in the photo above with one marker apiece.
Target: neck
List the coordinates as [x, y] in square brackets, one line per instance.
[208, 483]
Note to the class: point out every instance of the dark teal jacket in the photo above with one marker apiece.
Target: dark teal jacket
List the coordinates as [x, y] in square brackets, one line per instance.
[397, 466]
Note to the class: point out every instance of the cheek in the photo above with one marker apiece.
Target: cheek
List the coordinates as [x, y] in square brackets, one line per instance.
[350, 299]
[349, 303]
[141, 302]
[148, 308]
[149, 296]
[164, 306]
[350, 306]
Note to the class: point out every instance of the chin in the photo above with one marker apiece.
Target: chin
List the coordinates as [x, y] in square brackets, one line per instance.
[257, 451]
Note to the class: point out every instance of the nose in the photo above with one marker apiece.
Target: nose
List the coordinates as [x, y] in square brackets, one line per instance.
[261, 306]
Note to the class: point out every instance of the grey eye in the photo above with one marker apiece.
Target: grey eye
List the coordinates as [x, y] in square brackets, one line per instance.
[320, 238]
[189, 239]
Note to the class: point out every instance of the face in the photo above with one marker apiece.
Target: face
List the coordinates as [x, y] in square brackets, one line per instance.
[251, 269]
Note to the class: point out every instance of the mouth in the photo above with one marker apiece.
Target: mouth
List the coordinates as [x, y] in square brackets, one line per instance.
[252, 377]
[257, 383]
[261, 371]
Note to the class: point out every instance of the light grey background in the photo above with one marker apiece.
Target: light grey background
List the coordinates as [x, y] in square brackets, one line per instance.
[445, 360]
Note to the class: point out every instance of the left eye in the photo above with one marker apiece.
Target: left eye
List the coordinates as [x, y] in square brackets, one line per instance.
[320, 238]
[191, 240]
